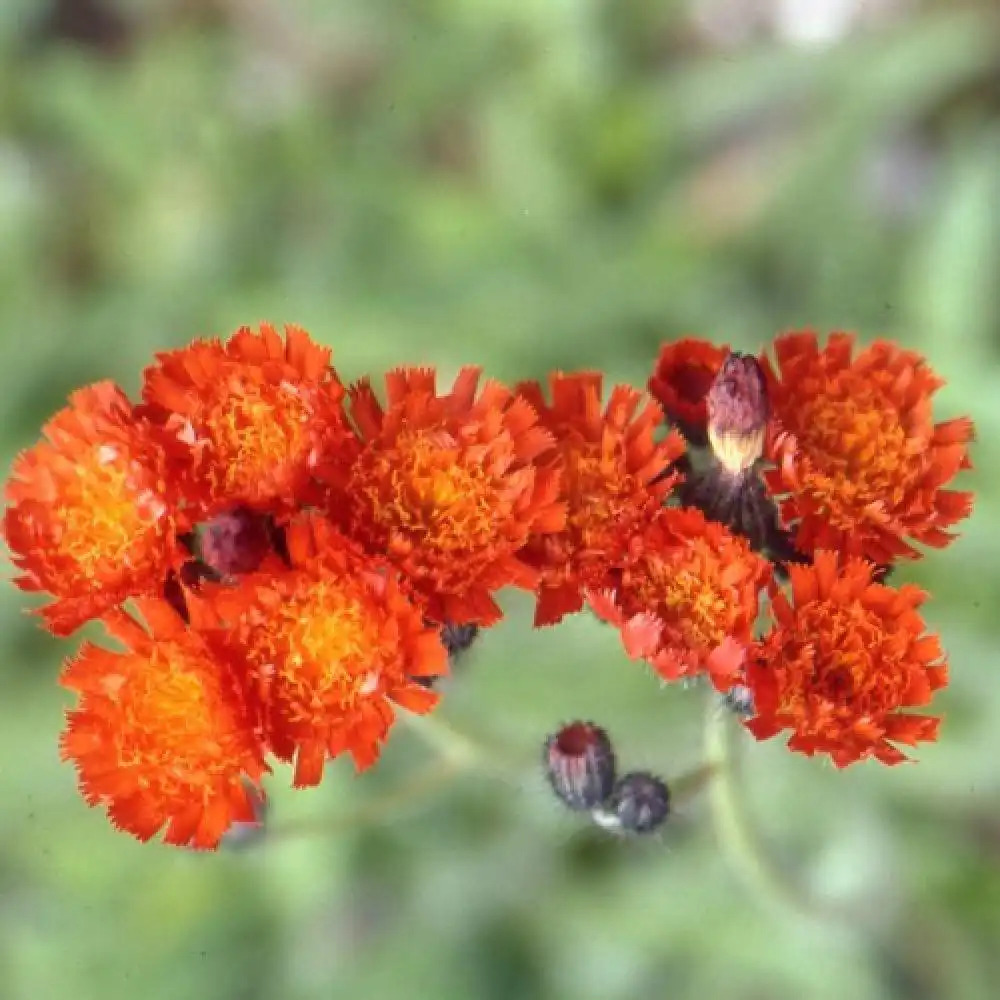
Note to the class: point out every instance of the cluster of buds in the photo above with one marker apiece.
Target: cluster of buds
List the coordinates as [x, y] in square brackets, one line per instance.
[287, 561]
[581, 767]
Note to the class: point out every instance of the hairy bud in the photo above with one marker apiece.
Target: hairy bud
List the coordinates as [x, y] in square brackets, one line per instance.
[639, 803]
[579, 762]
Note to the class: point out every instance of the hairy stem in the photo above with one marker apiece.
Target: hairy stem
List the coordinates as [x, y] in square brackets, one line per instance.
[741, 841]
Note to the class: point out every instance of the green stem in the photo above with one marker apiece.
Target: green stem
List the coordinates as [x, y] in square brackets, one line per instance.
[464, 751]
[739, 838]
[455, 754]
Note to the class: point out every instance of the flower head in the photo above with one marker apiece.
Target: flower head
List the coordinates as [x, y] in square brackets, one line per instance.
[88, 519]
[683, 374]
[447, 486]
[860, 463]
[843, 657]
[161, 736]
[612, 482]
[325, 647]
[687, 597]
[248, 423]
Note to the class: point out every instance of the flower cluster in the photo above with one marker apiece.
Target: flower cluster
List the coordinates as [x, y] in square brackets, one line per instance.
[830, 463]
[286, 560]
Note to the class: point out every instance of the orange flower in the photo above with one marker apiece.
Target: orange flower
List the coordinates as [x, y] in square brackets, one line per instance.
[325, 646]
[161, 736]
[687, 598]
[844, 655]
[248, 423]
[683, 374]
[88, 519]
[857, 452]
[609, 462]
[447, 487]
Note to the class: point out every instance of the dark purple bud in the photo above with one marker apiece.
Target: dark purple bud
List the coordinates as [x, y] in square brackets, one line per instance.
[458, 638]
[639, 803]
[738, 411]
[580, 765]
[235, 542]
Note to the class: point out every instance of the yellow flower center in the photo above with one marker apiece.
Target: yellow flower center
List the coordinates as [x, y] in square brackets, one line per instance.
[856, 452]
[598, 490]
[104, 517]
[255, 431]
[178, 733]
[837, 656]
[687, 594]
[432, 491]
[325, 646]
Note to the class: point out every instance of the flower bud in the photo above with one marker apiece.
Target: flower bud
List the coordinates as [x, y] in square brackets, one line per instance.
[639, 803]
[457, 638]
[580, 765]
[235, 542]
[738, 411]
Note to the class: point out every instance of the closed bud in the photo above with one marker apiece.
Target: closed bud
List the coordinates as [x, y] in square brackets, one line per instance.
[580, 765]
[458, 638]
[738, 411]
[235, 542]
[639, 803]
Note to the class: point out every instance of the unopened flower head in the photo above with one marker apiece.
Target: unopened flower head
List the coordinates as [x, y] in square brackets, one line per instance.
[458, 638]
[579, 763]
[684, 373]
[235, 541]
[639, 803]
[738, 412]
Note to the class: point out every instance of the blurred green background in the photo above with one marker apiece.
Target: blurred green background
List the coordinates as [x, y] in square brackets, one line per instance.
[528, 185]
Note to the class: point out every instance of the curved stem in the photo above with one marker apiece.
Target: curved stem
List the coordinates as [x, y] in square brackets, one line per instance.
[456, 753]
[463, 750]
[739, 838]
